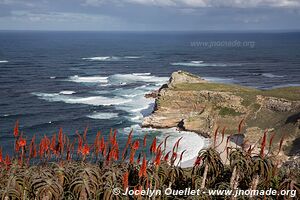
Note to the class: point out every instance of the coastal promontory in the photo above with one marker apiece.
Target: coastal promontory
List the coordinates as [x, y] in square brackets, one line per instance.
[191, 103]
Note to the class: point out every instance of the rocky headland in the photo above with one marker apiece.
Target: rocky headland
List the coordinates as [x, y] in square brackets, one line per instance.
[194, 104]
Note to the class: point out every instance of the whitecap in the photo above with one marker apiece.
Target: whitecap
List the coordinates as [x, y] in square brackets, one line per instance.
[93, 100]
[52, 77]
[134, 77]
[270, 75]
[132, 57]
[142, 74]
[89, 79]
[103, 115]
[110, 58]
[99, 58]
[219, 80]
[203, 64]
[3, 61]
[67, 92]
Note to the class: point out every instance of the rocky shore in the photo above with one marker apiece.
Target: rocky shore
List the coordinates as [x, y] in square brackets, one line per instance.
[194, 104]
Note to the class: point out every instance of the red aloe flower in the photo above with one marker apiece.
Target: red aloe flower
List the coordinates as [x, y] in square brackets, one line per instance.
[102, 144]
[166, 158]
[263, 144]
[181, 156]
[136, 145]
[7, 161]
[85, 150]
[215, 136]
[158, 157]
[131, 158]
[79, 148]
[165, 142]
[143, 169]
[1, 158]
[53, 143]
[271, 140]
[198, 161]
[153, 146]
[22, 142]
[241, 125]
[125, 180]
[16, 129]
[145, 140]
[176, 145]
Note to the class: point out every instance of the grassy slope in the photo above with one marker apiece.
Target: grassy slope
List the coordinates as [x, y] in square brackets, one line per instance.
[265, 118]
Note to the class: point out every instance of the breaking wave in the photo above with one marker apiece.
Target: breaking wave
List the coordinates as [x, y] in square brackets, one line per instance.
[111, 58]
[103, 115]
[93, 100]
[3, 61]
[204, 64]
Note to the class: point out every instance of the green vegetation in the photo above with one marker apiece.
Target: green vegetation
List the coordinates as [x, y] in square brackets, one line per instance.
[224, 111]
[56, 171]
[247, 93]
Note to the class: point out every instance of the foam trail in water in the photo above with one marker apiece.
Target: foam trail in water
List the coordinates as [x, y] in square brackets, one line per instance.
[103, 115]
[3, 61]
[67, 92]
[111, 58]
[203, 64]
[270, 75]
[88, 79]
[93, 100]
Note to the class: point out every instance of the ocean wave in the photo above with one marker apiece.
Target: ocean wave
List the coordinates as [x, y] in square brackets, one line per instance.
[191, 142]
[136, 77]
[88, 79]
[204, 64]
[111, 58]
[219, 80]
[103, 115]
[3, 61]
[93, 100]
[119, 79]
[67, 92]
[270, 75]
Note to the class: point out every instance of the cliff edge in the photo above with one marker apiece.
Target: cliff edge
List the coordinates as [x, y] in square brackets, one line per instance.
[192, 103]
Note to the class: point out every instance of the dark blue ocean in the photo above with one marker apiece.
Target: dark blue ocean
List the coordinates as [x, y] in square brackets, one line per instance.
[98, 80]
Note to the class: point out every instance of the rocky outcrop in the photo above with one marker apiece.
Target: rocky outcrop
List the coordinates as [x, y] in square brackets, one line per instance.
[203, 106]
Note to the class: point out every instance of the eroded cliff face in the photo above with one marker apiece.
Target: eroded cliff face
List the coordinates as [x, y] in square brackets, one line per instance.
[203, 106]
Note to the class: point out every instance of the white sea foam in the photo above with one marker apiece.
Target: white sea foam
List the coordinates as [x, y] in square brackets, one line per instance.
[191, 142]
[52, 77]
[103, 115]
[67, 92]
[93, 100]
[270, 75]
[111, 58]
[89, 79]
[3, 61]
[135, 77]
[203, 64]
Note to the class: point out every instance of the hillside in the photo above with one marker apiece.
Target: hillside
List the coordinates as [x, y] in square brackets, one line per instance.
[202, 106]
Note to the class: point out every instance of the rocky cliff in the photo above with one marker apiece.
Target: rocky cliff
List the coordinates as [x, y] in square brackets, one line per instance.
[191, 103]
